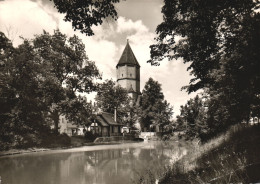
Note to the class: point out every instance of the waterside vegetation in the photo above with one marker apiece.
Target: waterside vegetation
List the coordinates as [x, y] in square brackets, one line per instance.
[229, 158]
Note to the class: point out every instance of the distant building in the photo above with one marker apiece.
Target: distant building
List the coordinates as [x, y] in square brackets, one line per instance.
[65, 126]
[128, 72]
[106, 126]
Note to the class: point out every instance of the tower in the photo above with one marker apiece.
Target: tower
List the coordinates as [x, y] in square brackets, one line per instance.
[128, 72]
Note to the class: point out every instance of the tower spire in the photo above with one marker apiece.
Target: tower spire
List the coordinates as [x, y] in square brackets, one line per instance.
[128, 57]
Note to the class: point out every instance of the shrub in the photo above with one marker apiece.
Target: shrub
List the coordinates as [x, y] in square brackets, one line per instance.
[89, 136]
[53, 140]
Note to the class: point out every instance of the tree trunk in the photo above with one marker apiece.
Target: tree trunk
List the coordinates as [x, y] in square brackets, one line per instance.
[55, 118]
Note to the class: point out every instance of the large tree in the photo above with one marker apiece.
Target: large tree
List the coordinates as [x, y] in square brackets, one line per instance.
[39, 81]
[154, 109]
[201, 32]
[193, 119]
[85, 13]
[162, 113]
[111, 97]
[22, 108]
[221, 41]
[71, 72]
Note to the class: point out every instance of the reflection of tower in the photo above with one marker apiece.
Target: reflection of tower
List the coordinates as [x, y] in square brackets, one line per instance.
[128, 72]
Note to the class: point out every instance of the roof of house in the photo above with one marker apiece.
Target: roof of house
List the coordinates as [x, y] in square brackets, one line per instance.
[101, 121]
[128, 57]
[109, 118]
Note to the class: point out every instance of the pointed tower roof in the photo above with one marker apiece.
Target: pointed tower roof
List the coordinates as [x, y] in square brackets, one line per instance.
[128, 57]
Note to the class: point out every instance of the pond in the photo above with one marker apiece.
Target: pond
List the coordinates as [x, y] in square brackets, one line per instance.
[102, 164]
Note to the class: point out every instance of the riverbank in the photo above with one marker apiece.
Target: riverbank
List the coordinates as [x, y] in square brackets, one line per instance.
[78, 145]
[231, 158]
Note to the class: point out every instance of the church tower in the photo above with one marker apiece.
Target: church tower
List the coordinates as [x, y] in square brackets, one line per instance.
[128, 72]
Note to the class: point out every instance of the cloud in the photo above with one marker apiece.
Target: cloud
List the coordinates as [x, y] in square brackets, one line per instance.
[124, 25]
[25, 16]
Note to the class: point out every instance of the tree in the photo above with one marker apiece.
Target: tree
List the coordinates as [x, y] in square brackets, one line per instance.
[132, 113]
[79, 111]
[71, 71]
[39, 81]
[23, 110]
[111, 97]
[6, 95]
[193, 119]
[221, 40]
[84, 14]
[206, 31]
[155, 110]
[162, 112]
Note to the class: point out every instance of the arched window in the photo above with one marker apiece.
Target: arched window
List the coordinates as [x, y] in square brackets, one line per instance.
[122, 75]
[130, 75]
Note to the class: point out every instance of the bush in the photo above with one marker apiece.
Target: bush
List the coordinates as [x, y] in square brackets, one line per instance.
[166, 137]
[89, 136]
[54, 140]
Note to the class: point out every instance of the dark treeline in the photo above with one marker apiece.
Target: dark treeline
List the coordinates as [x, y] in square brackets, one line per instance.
[39, 80]
[221, 41]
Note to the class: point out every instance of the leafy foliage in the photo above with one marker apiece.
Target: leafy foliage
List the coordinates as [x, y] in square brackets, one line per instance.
[111, 96]
[84, 14]
[201, 32]
[221, 41]
[71, 72]
[21, 96]
[39, 81]
[154, 109]
[132, 114]
[193, 119]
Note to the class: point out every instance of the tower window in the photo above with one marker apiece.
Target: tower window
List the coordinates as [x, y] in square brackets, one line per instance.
[130, 75]
[122, 75]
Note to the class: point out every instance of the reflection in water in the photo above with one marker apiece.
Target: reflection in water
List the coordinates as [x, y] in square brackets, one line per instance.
[108, 166]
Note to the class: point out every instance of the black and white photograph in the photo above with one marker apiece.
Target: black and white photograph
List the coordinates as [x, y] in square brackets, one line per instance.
[129, 91]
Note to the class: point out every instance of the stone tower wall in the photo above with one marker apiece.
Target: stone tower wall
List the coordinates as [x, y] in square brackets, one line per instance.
[127, 76]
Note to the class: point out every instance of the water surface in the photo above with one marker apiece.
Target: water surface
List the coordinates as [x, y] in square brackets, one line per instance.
[104, 164]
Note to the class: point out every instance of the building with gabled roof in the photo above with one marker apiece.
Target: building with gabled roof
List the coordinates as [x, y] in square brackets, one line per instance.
[105, 125]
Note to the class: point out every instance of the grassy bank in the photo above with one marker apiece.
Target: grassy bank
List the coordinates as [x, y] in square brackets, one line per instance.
[63, 141]
[52, 142]
[230, 158]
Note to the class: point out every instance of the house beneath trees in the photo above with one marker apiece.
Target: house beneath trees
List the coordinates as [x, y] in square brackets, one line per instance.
[105, 125]
[67, 127]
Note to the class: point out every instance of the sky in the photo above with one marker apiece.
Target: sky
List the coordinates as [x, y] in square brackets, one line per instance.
[137, 21]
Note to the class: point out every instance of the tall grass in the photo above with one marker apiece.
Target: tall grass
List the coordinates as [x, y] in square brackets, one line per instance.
[230, 158]
[233, 157]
